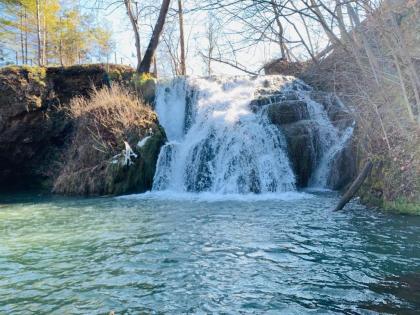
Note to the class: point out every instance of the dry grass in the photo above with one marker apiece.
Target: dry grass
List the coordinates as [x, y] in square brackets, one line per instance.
[103, 121]
[110, 114]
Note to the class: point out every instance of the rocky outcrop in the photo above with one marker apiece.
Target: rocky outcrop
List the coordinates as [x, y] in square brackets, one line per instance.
[343, 167]
[36, 131]
[31, 128]
[338, 114]
[302, 133]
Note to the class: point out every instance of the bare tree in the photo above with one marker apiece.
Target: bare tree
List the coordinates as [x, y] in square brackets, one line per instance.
[154, 40]
[211, 39]
[133, 16]
[181, 38]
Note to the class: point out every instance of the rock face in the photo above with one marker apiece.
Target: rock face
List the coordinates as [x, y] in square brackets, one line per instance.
[303, 147]
[31, 129]
[35, 130]
[343, 166]
[303, 135]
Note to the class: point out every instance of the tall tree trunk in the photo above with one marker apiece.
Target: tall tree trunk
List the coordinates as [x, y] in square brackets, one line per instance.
[38, 31]
[134, 25]
[181, 38]
[154, 41]
[314, 7]
[26, 36]
[44, 40]
[60, 45]
[60, 51]
[22, 45]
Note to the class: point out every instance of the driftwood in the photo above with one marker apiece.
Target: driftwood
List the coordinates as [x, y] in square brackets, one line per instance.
[355, 186]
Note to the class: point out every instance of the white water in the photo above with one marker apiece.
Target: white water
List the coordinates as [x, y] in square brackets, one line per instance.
[218, 144]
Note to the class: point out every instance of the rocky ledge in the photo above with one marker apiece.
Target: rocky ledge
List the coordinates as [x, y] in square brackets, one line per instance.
[36, 132]
[292, 114]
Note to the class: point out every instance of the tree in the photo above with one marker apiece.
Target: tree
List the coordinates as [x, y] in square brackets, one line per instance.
[154, 40]
[42, 30]
[133, 16]
[181, 37]
[38, 33]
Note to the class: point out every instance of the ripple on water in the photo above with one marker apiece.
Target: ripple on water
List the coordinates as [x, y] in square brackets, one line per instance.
[151, 254]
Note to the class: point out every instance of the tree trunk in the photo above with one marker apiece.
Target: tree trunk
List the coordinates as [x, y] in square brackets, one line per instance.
[44, 41]
[26, 36]
[154, 41]
[281, 30]
[134, 25]
[38, 31]
[181, 38]
[355, 186]
[22, 45]
[60, 45]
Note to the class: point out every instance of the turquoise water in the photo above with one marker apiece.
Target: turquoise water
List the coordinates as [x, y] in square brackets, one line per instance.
[154, 255]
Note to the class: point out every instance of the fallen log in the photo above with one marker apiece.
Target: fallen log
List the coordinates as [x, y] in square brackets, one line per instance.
[355, 186]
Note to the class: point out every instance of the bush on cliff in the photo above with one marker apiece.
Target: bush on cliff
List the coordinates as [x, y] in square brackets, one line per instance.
[115, 146]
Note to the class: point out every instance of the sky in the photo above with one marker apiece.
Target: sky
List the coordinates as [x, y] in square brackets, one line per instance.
[195, 30]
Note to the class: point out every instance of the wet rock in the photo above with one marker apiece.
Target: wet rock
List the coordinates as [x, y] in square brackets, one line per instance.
[338, 114]
[343, 168]
[287, 112]
[303, 149]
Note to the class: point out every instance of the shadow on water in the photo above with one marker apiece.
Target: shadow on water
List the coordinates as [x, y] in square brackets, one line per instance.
[404, 288]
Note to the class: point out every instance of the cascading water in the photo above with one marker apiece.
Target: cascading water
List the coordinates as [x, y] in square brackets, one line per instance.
[218, 142]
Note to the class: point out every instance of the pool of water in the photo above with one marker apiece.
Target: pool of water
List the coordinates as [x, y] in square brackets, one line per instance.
[151, 254]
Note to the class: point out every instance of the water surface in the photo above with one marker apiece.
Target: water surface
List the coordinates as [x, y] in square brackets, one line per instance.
[148, 255]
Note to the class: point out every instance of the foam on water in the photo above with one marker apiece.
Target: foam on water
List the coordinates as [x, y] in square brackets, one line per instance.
[215, 197]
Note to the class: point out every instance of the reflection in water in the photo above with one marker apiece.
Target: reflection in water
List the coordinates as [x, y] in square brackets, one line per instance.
[148, 254]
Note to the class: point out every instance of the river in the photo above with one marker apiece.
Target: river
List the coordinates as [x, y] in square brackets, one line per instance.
[155, 253]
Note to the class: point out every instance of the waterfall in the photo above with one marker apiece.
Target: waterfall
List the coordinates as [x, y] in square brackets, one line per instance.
[219, 142]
